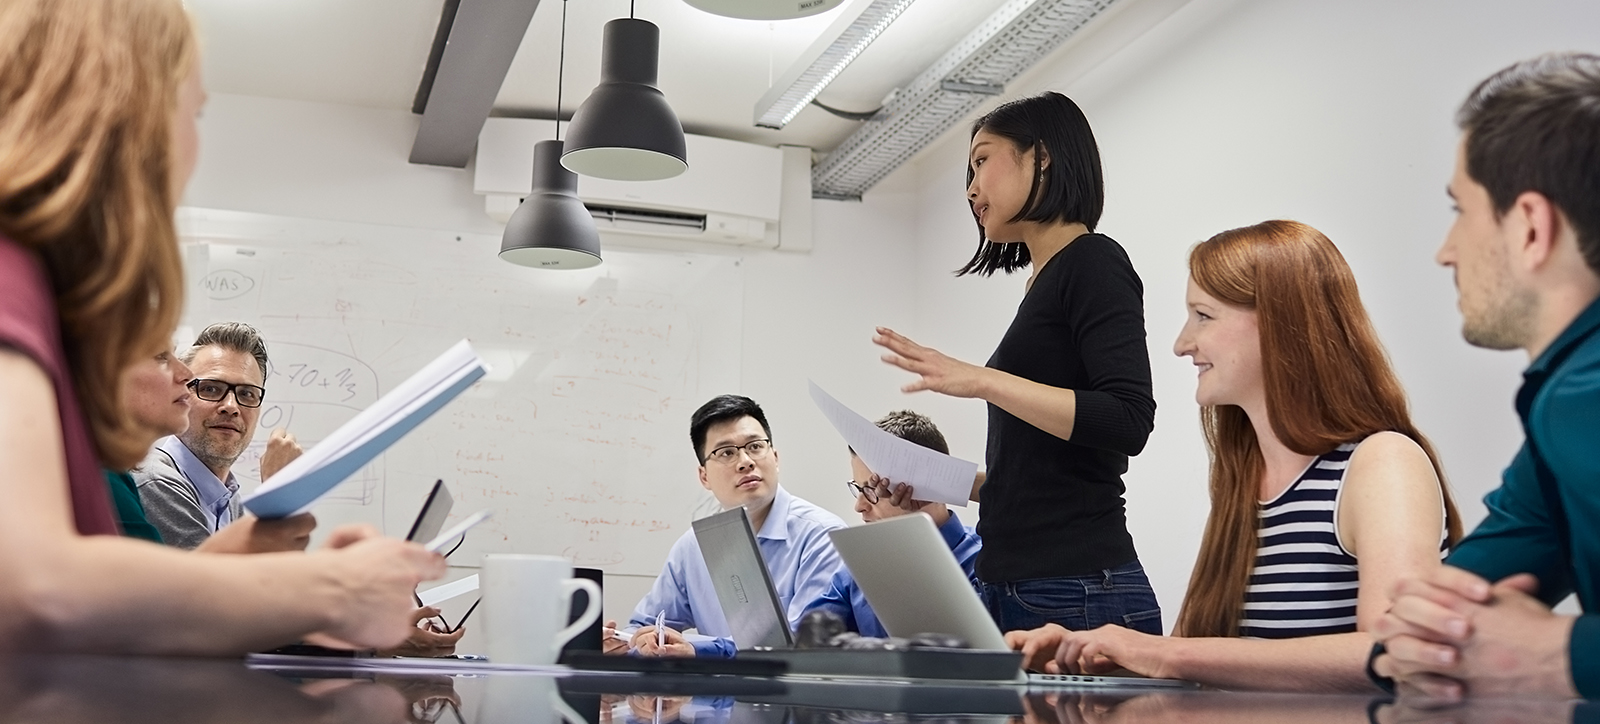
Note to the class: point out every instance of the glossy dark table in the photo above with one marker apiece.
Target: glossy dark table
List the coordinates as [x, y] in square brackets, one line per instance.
[182, 691]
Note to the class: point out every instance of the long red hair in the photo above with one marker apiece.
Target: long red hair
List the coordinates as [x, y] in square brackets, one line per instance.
[1327, 382]
[88, 89]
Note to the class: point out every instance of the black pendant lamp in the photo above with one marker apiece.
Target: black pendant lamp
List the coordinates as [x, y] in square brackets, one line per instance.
[626, 131]
[552, 229]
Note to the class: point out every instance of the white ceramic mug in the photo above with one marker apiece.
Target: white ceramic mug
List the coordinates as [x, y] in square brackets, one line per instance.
[526, 602]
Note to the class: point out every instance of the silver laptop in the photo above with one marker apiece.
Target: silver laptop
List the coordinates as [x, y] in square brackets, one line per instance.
[743, 584]
[916, 586]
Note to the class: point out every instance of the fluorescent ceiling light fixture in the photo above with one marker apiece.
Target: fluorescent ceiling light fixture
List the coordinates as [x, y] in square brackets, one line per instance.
[973, 71]
[850, 34]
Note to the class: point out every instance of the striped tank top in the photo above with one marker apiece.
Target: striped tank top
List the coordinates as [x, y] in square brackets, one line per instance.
[1305, 582]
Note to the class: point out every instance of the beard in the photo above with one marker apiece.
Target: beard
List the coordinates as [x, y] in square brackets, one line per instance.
[214, 454]
[1503, 321]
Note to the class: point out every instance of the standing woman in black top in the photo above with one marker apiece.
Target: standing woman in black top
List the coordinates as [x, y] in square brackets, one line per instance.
[1069, 386]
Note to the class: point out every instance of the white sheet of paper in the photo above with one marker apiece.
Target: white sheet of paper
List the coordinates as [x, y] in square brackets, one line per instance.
[439, 594]
[933, 475]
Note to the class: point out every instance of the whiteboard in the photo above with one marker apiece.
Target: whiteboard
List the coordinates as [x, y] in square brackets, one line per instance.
[578, 437]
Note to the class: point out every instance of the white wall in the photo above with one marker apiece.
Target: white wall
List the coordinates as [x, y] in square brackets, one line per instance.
[1232, 112]
[802, 315]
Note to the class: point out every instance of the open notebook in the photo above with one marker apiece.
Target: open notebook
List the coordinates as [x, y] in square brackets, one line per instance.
[301, 483]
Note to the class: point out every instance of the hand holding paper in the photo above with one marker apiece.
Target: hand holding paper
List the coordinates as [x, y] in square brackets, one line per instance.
[936, 476]
[309, 477]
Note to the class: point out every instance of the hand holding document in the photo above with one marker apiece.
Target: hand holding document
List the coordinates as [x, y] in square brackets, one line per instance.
[937, 477]
[301, 483]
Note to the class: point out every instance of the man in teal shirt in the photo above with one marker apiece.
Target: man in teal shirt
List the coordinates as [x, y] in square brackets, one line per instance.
[1525, 248]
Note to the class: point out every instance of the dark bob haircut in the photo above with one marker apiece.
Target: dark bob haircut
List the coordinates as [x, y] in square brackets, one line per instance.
[1073, 186]
[722, 408]
[1535, 126]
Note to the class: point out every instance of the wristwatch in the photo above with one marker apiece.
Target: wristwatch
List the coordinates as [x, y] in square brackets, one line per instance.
[1382, 682]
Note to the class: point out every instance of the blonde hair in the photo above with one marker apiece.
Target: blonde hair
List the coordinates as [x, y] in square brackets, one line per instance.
[88, 92]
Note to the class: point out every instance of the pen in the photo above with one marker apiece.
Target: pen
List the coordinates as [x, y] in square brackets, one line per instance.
[659, 618]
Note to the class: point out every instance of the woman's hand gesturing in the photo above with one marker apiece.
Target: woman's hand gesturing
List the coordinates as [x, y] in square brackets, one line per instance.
[938, 372]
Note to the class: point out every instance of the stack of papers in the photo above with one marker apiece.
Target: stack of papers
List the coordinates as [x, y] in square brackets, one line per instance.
[933, 476]
[301, 483]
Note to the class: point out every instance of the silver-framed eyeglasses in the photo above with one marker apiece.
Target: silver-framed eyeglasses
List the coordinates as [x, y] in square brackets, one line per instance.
[873, 493]
[757, 449]
[215, 390]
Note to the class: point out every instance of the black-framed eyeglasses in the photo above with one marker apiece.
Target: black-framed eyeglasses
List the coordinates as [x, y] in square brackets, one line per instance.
[873, 493]
[215, 390]
[725, 455]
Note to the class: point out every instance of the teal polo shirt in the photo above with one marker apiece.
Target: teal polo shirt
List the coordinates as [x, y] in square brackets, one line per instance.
[1544, 518]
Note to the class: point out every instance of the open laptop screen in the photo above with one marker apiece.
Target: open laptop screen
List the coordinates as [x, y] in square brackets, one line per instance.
[740, 577]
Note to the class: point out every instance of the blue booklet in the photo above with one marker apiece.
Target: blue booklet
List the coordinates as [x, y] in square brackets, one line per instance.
[301, 483]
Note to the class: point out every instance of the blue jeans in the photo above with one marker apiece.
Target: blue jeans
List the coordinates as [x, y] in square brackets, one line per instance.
[1120, 595]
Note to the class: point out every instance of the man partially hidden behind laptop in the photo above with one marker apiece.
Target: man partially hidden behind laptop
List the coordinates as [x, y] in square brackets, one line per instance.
[739, 465]
[875, 501]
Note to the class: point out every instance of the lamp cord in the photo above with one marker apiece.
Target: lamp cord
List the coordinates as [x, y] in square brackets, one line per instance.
[561, 67]
[630, 8]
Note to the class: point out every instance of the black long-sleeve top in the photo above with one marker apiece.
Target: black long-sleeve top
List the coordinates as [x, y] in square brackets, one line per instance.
[1054, 507]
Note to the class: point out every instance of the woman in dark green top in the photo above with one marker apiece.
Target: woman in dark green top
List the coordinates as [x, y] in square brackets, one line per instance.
[155, 392]
[130, 512]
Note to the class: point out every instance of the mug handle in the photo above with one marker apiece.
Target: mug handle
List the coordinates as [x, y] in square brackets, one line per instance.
[561, 707]
[590, 614]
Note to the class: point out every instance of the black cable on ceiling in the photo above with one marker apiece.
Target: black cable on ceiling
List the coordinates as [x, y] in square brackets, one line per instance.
[848, 115]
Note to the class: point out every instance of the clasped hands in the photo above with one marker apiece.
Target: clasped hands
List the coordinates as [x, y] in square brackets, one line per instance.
[1452, 634]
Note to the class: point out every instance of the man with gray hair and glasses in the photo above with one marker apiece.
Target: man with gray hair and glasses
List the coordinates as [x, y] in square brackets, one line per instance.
[1525, 249]
[187, 484]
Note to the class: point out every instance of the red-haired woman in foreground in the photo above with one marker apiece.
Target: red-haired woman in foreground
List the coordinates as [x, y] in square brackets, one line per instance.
[1323, 492]
[97, 139]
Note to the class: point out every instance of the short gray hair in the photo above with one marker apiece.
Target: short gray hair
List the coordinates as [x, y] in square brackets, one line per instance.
[234, 337]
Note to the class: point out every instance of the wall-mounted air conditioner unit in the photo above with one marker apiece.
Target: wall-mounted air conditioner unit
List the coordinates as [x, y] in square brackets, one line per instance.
[733, 193]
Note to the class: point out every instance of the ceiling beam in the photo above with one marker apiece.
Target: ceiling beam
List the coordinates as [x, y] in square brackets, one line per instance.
[482, 41]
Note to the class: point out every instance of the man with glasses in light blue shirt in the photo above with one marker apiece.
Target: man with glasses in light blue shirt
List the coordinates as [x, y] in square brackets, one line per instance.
[187, 484]
[739, 465]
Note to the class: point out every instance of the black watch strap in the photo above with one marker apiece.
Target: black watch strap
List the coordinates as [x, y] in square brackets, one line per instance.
[1382, 682]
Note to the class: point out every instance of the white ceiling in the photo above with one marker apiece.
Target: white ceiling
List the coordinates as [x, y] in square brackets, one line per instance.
[713, 69]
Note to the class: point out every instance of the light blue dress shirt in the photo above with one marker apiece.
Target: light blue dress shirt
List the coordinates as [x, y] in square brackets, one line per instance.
[845, 599]
[215, 495]
[799, 554]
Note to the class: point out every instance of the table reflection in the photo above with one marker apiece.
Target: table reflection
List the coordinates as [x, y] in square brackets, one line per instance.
[71, 690]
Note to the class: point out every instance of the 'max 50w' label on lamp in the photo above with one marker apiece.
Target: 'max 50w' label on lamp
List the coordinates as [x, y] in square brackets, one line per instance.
[625, 131]
[765, 9]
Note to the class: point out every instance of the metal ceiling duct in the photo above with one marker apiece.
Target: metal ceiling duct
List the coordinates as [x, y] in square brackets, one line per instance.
[1009, 42]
